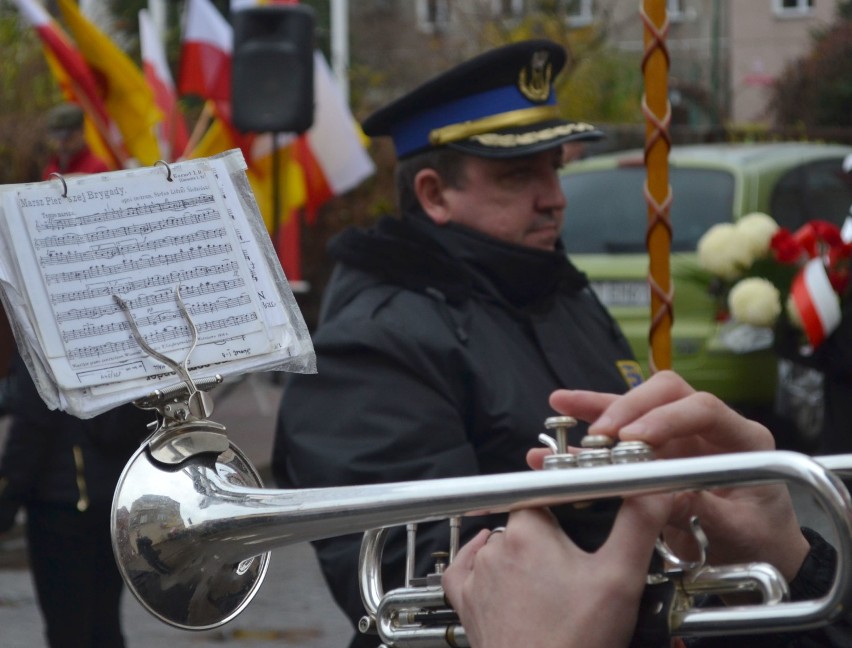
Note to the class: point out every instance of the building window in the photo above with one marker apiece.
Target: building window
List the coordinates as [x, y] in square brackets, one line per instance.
[433, 16]
[678, 11]
[792, 7]
[578, 12]
[507, 8]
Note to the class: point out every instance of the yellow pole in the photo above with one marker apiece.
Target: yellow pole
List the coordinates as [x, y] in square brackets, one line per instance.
[655, 106]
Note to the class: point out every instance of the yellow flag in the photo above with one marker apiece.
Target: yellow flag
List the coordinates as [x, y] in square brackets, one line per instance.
[129, 100]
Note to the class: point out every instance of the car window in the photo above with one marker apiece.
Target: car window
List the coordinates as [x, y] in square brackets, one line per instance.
[606, 211]
[818, 190]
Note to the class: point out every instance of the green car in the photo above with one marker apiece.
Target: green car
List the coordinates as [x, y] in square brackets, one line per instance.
[604, 234]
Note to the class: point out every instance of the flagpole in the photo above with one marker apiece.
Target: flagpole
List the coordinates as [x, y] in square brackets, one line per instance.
[276, 194]
[340, 44]
[200, 127]
[657, 110]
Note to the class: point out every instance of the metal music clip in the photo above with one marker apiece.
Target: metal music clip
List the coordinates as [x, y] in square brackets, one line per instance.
[184, 408]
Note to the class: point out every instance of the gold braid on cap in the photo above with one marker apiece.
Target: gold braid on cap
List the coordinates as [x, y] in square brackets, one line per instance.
[468, 129]
[511, 140]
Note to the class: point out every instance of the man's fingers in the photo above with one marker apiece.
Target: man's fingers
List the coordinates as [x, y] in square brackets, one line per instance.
[638, 524]
[583, 405]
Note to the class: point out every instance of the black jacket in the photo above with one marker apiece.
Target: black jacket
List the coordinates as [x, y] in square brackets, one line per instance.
[435, 362]
[51, 457]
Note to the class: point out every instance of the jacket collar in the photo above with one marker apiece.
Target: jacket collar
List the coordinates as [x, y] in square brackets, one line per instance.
[416, 254]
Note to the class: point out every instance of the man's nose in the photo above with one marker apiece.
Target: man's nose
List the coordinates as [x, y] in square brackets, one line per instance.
[552, 195]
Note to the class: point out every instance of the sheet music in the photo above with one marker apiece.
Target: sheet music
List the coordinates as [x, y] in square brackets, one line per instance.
[143, 235]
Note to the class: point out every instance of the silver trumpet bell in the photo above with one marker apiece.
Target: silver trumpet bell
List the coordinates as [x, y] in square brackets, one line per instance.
[192, 527]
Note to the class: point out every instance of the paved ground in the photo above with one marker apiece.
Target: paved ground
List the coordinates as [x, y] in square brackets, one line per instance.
[292, 608]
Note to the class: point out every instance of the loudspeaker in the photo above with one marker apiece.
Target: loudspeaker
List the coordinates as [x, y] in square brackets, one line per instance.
[272, 69]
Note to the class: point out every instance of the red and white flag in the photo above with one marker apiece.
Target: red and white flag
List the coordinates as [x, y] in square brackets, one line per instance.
[334, 141]
[172, 133]
[205, 58]
[815, 301]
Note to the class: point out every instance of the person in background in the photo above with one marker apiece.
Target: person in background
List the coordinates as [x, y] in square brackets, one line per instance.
[528, 584]
[66, 136]
[63, 470]
[443, 332]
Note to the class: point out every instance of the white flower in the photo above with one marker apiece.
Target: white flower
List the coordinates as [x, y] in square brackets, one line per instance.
[755, 301]
[757, 230]
[724, 252]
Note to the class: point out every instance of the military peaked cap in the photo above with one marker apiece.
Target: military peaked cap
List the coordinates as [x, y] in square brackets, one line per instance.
[498, 104]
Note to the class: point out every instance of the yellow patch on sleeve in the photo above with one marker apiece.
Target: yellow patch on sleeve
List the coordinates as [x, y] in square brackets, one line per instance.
[631, 372]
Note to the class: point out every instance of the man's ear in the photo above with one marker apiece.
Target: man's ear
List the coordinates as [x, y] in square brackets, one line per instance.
[429, 188]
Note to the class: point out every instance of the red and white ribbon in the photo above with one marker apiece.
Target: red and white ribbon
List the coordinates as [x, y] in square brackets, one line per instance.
[815, 301]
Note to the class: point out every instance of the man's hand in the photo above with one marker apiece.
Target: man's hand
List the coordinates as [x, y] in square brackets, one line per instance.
[532, 586]
[742, 524]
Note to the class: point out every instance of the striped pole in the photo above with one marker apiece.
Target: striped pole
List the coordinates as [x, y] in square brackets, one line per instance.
[657, 111]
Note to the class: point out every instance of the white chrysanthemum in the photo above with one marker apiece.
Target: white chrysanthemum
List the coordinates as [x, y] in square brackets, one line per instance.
[723, 252]
[757, 230]
[755, 301]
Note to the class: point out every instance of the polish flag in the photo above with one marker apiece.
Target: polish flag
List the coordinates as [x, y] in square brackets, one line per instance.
[205, 61]
[77, 82]
[331, 152]
[172, 132]
[815, 301]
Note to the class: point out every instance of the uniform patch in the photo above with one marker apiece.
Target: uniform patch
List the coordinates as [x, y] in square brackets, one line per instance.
[631, 372]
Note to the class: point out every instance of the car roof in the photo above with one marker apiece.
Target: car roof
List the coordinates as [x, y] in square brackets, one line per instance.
[741, 156]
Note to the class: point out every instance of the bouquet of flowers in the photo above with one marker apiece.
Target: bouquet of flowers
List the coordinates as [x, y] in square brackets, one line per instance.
[766, 266]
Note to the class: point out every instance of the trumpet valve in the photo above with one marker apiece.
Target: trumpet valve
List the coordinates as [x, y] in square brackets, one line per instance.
[596, 450]
[561, 424]
[632, 452]
[561, 457]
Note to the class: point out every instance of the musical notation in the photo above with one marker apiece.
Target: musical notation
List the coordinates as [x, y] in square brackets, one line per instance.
[99, 330]
[141, 229]
[53, 222]
[136, 234]
[172, 278]
[124, 249]
[147, 301]
[136, 265]
[164, 335]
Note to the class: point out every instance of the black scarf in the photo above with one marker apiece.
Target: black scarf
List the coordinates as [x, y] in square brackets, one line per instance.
[456, 260]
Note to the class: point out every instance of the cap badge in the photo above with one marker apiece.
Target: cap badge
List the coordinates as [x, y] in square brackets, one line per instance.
[534, 79]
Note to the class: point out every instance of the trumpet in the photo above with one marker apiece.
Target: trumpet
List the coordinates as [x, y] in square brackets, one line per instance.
[192, 528]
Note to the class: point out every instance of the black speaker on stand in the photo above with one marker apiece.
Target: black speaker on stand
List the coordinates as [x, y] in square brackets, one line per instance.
[272, 78]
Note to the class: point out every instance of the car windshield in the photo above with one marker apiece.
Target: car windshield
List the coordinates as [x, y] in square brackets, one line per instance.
[607, 212]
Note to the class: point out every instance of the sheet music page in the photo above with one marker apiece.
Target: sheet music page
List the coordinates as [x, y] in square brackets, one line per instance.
[142, 235]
